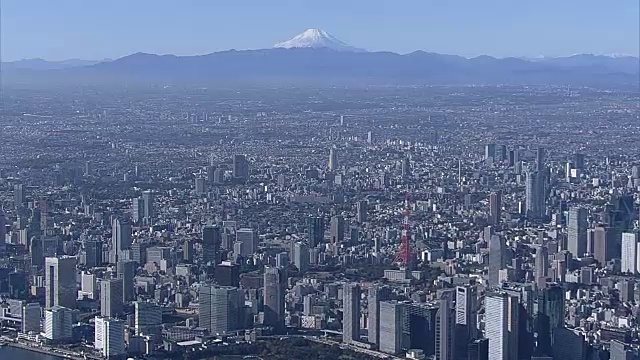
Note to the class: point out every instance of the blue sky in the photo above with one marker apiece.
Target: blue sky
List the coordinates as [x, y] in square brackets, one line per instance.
[97, 29]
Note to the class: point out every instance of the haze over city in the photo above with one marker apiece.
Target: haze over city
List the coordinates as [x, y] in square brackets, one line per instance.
[208, 180]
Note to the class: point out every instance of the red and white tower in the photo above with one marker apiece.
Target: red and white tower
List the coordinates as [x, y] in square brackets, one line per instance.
[405, 255]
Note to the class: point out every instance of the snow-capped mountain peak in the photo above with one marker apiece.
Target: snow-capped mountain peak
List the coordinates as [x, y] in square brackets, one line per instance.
[316, 38]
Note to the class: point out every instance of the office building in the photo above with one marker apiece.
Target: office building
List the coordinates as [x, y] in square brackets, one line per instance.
[137, 210]
[109, 337]
[18, 195]
[275, 283]
[199, 186]
[445, 332]
[240, 167]
[92, 253]
[535, 200]
[478, 350]
[31, 318]
[391, 325]
[126, 272]
[541, 266]
[406, 167]
[351, 313]
[495, 208]
[58, 322]
[489, 153]
[187, 251]
[120, 239]
[88, 286]
[375, 295]
[149, 211]
[301, 256]
[497, 259]
[60, 282]
[337, 230]
[219, 308]
[540, 157]
[227, 274]
[361, 211]
[630, 250]
[467, 305]
[577, 231]
[3, 233]
[549, 318]
[315, 230]
[501, 326]
[333, 160]
[211, 240]
[249, 240]
[111, 297]
[148, 318]
[604, 243]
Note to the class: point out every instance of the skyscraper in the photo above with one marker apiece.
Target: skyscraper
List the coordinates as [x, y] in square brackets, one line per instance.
[58, 322]
[3, 233]
[445, 336]
[315, 229]
[18, 195]
[535, 203]
[361, 211]
[301, 256]
[333, 159]
[375, 295]
[391, 326]
[541, 266]
[497, 259]
[495, 207]
[501, 326]
[540, 155]
[31, 318]
[149, 211]
[351, 313]
[466, 316]
[93, 253]
[577, 231]
[126, 272]
[211, 240]
[111, 297]
[406, 167]
[120, 239]
[240, 167]
[109, 337]
[199, 185]
[337, 230]
[489, 153]
[249, 240]
[60, 280]
[148, 318]
[605, 247]
[137, 210]
[219, 308]
[274, 291]
[630, 249]
[550, 317]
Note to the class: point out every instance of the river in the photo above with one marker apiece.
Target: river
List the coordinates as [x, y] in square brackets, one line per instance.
[8, 352]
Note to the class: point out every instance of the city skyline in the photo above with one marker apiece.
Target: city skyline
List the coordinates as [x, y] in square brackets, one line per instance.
[32, 28]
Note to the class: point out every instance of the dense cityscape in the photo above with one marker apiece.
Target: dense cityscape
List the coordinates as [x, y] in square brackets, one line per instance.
[470, 222]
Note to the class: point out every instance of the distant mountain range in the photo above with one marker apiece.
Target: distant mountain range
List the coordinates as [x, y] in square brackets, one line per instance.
[315, 56]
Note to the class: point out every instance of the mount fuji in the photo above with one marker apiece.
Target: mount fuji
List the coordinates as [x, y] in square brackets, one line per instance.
[317, 39]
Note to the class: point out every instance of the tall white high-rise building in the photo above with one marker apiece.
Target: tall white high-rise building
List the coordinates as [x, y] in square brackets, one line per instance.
[109, 337]
[333, 159]
[60, 282]
[274, 291]
[467, 311]
[501, 326]
[445, 335]
[58, 322]
[391, 323]
[577, 231]
[630, 260]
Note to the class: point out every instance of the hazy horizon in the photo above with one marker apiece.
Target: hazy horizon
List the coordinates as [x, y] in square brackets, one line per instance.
[39, 29]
